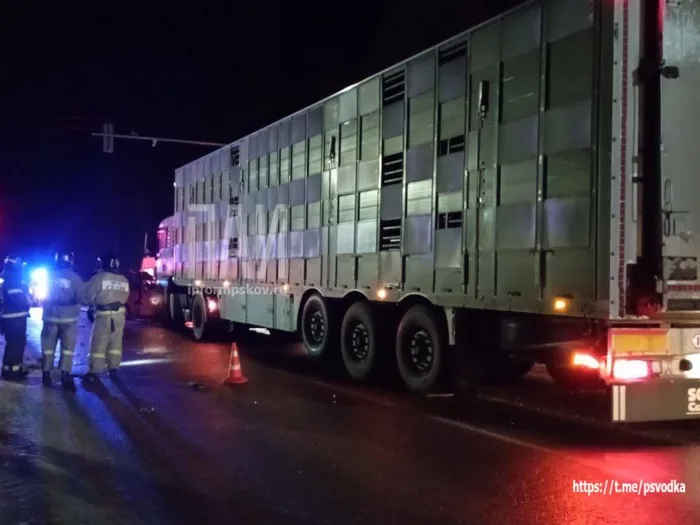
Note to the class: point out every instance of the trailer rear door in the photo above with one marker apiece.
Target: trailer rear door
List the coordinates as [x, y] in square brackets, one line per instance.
[680, 155]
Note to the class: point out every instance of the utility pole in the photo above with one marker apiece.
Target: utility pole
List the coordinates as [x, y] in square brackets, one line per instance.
[108, 137]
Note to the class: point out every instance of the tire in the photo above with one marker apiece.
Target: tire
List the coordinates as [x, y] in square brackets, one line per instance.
[316, 327]
[199, 318]
[420, 328]
[359, 342]
[174, 310]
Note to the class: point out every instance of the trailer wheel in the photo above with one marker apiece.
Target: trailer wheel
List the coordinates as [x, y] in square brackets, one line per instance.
[175, 317]
[420, 350]
[316, 327]
[199, 317]
[359, 342]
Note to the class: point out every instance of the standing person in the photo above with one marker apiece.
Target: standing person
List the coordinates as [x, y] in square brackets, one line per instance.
[107, 292]
[13, 320]
[61, 313]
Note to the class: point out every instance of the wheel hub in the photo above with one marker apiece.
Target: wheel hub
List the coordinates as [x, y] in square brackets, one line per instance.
[421, 352]
[359, 342]
[317, 327]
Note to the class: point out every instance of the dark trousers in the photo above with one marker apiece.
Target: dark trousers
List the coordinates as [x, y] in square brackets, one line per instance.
[15, 330]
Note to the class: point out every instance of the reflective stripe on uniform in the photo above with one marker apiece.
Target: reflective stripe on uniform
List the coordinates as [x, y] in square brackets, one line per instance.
[12, 368]
[100, 313]
[114, 352]
[48, 352]
[67, 352]
[15, 290]
[15, 315]
[61, 320]
[98, 356]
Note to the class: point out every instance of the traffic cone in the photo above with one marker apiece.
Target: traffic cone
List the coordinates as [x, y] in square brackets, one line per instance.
[235, 372]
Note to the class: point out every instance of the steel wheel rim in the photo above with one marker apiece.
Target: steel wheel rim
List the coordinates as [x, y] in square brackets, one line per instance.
[358, 342]
[420, 352]
[316, 328]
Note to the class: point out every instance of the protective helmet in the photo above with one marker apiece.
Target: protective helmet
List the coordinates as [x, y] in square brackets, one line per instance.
[64, 258]
[109, 261]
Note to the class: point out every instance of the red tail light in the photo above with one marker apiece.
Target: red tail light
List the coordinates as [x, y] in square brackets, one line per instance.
[630, 369]
[586, 361]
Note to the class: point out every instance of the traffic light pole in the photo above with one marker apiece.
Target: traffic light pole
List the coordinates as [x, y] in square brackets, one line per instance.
[108, 137]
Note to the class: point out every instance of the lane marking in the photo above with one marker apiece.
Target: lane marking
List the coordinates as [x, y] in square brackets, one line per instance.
[142, 362]
[493, 434]
[606, 470]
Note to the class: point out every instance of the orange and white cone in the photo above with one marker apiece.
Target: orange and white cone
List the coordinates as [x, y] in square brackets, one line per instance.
[235, 372]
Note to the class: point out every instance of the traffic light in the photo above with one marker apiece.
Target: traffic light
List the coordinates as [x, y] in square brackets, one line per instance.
[108, 138]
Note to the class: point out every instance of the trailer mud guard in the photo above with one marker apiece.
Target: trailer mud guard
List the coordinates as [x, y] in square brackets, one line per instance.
[668, 400]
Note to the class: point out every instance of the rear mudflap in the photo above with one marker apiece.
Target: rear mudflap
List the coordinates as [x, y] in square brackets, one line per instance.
[660, 400]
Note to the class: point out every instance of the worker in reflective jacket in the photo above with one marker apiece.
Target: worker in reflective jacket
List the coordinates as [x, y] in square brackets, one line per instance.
[61, 313]
[107, 292]
[13, 320]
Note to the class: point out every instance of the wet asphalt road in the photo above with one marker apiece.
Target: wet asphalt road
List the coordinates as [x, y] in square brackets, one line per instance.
[299, 445]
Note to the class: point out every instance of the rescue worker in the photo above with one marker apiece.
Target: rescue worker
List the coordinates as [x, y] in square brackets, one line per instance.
[107, 292]
[13, 320]
[61, 313]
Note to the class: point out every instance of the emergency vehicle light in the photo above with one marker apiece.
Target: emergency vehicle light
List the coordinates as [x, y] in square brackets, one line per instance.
[40, 282]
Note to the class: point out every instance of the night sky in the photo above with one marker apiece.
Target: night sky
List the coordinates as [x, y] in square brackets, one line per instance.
[208, 71]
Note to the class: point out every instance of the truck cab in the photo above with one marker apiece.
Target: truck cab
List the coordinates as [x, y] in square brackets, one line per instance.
[161, 266]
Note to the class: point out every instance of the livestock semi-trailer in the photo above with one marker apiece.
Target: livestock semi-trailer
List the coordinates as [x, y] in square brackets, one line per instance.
[520, 193]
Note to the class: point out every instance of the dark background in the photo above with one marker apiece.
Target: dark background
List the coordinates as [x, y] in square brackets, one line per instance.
[208, 71]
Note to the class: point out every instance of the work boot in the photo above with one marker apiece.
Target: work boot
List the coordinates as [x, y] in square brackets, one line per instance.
[114, 374]
[46, 379]
[67, 381]
[13, 375]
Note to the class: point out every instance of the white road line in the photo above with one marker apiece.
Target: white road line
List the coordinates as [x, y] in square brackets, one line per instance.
[606, 470]
[491, 434]
[619, 473]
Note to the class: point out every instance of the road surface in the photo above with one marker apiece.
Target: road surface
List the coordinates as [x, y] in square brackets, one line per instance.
[167, 444]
